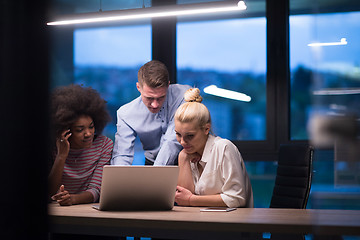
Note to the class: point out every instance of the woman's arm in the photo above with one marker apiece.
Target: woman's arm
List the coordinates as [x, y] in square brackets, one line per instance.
[185, 178]
[236, 190]
[184, 197]
[207, 200]
[55, 176]
[96, 178]
[83, 197]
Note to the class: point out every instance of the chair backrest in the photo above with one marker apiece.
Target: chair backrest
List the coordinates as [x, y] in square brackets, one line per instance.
[293, 177]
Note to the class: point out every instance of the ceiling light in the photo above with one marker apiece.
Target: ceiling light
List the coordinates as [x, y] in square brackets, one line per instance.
[342, 42]
[152, 12]
[220, 92]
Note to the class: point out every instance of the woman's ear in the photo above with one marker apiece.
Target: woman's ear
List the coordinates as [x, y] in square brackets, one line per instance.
[207, 128]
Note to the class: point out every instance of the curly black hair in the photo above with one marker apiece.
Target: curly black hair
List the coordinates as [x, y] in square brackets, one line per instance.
[70, 102]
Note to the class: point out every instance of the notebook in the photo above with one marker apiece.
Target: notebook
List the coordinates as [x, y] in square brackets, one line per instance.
[138, 188]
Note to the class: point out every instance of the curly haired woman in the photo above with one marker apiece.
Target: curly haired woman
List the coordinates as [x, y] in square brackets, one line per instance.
[78, 116]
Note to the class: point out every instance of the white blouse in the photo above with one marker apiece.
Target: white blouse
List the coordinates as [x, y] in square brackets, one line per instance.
[224, 173]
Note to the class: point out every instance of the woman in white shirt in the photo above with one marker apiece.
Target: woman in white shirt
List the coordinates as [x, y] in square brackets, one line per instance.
[212, 171]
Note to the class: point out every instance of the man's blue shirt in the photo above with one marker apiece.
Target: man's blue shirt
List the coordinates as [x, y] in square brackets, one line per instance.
[155, 130]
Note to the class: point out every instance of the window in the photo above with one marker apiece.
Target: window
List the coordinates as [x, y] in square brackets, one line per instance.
[318, 73]
[108, 59]
[229, 54]
[325, 82]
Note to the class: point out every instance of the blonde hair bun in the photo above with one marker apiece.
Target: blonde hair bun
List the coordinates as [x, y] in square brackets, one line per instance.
[193, 95]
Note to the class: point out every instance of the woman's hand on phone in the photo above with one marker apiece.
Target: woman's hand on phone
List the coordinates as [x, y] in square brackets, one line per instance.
[63, 144]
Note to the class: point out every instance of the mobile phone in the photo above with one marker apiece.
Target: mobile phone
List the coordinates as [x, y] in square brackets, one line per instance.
[217, 209]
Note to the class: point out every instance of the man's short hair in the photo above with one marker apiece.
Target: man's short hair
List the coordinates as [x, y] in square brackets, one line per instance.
[154, 74]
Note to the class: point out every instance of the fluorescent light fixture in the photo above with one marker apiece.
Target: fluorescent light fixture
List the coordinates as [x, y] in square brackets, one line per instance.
[345, 91]
[152, 12]
[220, 92]
[342, 42]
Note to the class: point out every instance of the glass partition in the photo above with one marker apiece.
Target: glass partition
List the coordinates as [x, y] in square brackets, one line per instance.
[108, 60]
[227, 56]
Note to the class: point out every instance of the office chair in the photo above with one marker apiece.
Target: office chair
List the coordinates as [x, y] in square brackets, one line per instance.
[293, 180]
[293, 177]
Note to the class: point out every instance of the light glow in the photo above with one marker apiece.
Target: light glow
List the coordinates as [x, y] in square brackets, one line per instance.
[349, 91]
[220, 92]
[152, 12]
[342, 42]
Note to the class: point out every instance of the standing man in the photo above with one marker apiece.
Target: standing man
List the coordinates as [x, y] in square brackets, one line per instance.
[151, 118]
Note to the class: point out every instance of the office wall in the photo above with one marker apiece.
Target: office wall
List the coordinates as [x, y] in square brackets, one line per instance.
[23, 119]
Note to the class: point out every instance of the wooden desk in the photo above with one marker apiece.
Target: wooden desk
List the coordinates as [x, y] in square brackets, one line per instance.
[190, 223]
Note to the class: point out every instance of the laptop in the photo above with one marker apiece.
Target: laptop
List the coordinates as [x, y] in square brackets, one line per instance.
[141, 188]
